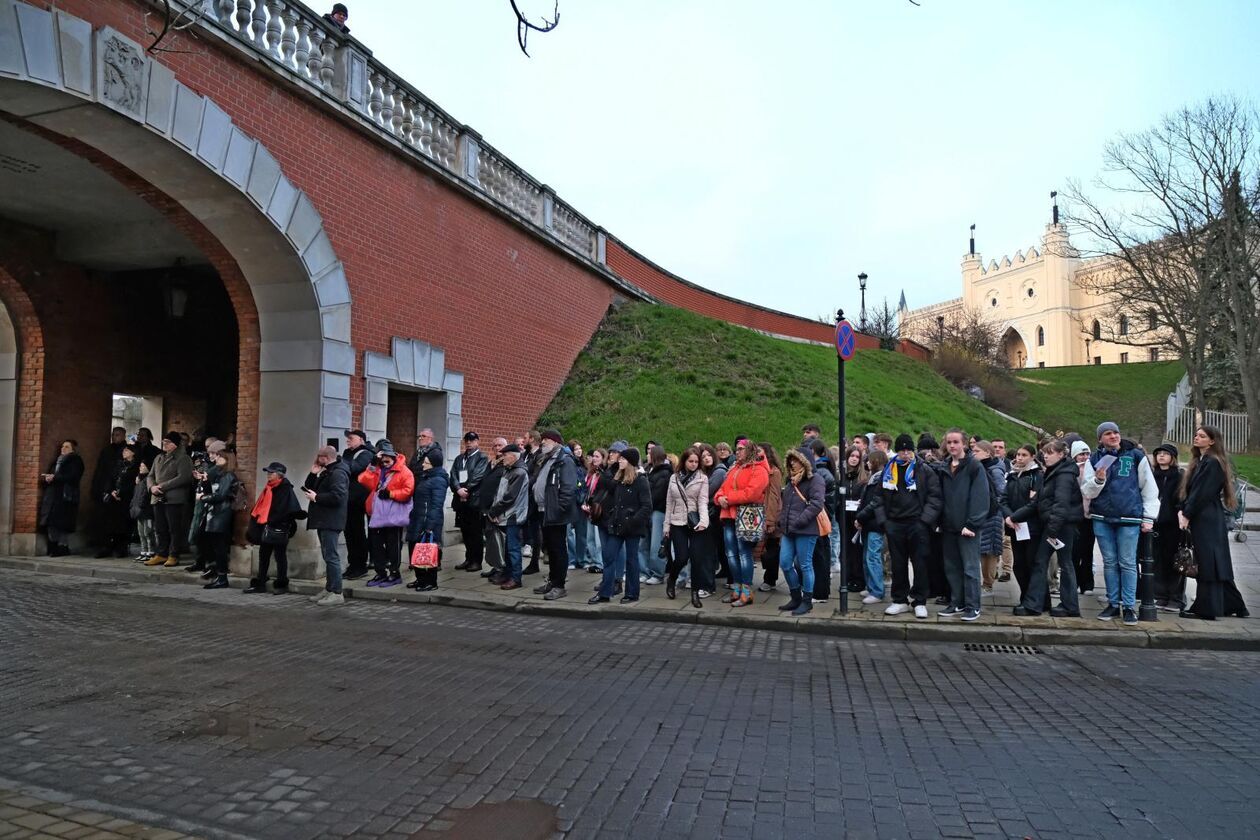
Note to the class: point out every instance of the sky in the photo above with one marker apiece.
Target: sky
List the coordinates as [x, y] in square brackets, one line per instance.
[772, 151]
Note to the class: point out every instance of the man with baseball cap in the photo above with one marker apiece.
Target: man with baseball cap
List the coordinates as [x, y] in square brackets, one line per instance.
[467, 472]
[358, 457]
[553, 490]
[1124, 503]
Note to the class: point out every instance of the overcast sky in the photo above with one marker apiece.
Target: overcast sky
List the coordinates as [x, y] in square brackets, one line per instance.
[772, 151]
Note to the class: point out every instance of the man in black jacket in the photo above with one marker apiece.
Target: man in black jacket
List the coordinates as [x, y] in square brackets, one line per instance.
[327, 490]
[358, 457]
[467, 473]
[553, 488]
[909, 493]
[494, 536]
[103, 484]
[965, 507]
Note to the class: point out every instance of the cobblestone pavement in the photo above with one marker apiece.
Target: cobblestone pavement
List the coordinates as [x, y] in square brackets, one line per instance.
[24, 815]
[222, 715]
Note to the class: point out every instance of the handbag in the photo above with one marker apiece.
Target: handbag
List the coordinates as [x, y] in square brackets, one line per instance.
[1184, 560]
[693, 516]
[750, 523]
[824, 521]
[275, 534]
[426, 554]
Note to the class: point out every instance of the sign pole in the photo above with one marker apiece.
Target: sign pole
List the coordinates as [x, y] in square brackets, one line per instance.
[845, 341]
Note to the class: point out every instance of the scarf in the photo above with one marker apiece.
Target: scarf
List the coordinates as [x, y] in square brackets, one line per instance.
[262, 507]
[893, 469]
[796, 473]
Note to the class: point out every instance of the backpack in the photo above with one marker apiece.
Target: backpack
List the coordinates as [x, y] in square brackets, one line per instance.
[240, 496]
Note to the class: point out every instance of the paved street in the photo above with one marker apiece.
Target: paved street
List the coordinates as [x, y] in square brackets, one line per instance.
[215, 714]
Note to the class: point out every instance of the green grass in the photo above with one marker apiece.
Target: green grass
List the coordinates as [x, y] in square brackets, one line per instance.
[674, 376]
[1248, 467]
[1079, 398]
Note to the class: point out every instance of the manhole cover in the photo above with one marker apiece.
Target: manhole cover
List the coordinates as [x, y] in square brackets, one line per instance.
[978, 647]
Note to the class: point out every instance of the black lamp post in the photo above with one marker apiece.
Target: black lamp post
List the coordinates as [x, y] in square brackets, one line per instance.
[862, 286]
[940, 329]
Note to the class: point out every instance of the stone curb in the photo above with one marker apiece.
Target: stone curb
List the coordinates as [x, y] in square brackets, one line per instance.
[821, 626]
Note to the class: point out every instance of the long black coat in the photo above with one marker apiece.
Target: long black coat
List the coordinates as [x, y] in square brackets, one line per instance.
[1206, 512]
[59, 507]
[327, 511]
[1058, 506]
[117, 512]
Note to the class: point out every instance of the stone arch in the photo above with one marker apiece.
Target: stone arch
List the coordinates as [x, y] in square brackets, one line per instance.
[99, 89]
[1014, 348]
[21, 369]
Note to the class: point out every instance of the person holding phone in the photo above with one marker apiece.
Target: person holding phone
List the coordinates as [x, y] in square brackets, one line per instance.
[1058, 509]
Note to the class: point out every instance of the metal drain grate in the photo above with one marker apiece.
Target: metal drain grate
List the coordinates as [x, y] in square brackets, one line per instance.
[976, 647]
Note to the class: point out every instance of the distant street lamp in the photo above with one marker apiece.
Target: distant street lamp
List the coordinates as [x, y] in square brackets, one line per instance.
[940, 329]
[862, 285]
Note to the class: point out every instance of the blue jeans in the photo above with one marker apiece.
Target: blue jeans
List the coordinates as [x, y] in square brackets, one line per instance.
[742, 568]
[621, 556]
[332, 560]
[1119, 544]
[796, 561]
[512, 564]
[730, 545]
[835, 545]
[575, 536]
[874, 563]
[649, 550]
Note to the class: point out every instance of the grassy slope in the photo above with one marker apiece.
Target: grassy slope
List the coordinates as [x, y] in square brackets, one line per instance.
[1079, 398]
[671, 375]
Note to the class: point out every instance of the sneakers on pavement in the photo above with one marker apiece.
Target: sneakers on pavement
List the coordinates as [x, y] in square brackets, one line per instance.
[970, 615]
[920, 611]
[555, 593]
[986, 590]
[765, 587]
[543, 588]
[1129, 616]
[897, 609]
[1111, 612]
[950, 612]
[653, 580]
[331, 599]
[871, 599]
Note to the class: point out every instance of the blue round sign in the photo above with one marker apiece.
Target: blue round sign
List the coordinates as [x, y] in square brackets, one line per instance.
[846, 340]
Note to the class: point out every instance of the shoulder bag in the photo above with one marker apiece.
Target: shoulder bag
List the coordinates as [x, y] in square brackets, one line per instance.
[824, 521]
[1184, 560]
[693, 516]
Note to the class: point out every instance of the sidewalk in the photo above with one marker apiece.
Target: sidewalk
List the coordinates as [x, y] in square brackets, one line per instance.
[996, 625]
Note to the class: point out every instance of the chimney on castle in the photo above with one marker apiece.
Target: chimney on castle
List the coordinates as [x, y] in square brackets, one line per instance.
[1054, 197]
[972, 251]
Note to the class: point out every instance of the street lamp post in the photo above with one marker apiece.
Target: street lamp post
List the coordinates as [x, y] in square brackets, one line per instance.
[862, 286]
[940, 329]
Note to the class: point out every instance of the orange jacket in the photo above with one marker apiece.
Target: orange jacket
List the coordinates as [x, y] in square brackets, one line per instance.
[401, 486]
[744, 485]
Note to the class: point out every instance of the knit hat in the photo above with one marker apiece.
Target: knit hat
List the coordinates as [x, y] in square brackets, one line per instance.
[1078, 447]
[618, 446]
[340, 7]
[174, 437]
[1107, 427]
[434, 457]
[553, 435]
[631, 456]
[1170, 449]
[903, 443]
[926, 441]
[216, 447]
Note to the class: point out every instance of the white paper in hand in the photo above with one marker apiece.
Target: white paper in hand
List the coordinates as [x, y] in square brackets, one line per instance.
[1105, 462]
[1021, 531]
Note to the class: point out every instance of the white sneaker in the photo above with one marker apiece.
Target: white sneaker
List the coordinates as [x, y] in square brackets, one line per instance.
[920, 611]
[527, 551]
[315, 599]
[331, 599]
[864, 593]
[653, 581]
[871, 599]
[764, 587]
[703, 593]
[897, 609]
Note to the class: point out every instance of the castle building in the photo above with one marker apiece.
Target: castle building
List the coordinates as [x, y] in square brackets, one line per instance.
[1049, 306]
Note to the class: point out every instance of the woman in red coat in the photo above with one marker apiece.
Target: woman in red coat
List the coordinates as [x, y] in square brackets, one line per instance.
[744, 488]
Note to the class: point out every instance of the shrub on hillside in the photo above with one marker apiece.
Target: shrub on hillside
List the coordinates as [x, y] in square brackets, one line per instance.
[964, 369]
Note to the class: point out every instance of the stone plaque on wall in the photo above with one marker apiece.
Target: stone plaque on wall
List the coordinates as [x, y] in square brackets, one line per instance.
[121, 73]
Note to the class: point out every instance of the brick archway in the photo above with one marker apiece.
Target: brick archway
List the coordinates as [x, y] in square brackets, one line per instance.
[21, 352]
[104, 98]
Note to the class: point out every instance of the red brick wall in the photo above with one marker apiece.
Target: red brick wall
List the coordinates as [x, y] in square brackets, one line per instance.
[28, 457]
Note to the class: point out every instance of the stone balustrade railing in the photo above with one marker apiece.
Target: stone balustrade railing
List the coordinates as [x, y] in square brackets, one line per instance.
[300, 41]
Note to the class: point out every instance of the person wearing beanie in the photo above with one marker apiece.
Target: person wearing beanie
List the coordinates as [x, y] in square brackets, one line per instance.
[390, 484]
[1083, 551]
[338, 17]
[553, 491]
[170, 483]
[908, 502]
[629, 518]
[1124, 503]
[1170, 586]
[425, 522]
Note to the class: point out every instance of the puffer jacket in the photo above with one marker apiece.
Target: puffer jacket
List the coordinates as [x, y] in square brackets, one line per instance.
[683, 498]
[630, 514]
[218, 501]
[659, 481]
[395, 511]
[1022, 486]
[427, 504]
[745, 484]
[801, 504]
[1058, 506]
[991, 536]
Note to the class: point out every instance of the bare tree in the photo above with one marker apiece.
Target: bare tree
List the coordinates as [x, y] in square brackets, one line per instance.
[883, 323]
[524, 25]
[1178, 243]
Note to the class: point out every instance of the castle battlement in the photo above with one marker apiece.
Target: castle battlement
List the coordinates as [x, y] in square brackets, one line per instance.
[1006, 263]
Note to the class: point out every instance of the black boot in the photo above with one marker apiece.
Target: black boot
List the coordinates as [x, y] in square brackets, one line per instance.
[792, 604]
[256, 586]
[671, 585]
[695, 599]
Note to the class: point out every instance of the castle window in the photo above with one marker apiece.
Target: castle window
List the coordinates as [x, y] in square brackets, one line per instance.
[1041, 336]
[1097, 331]
[1124, 325]
[1030, 292]
[1154, 354]
[1154, 320]
[993, 302]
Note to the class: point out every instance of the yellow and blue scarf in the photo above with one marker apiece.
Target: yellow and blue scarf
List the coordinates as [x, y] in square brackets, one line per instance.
[891, 472]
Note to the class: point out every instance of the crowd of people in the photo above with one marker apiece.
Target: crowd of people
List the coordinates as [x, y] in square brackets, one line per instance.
[917, 522]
